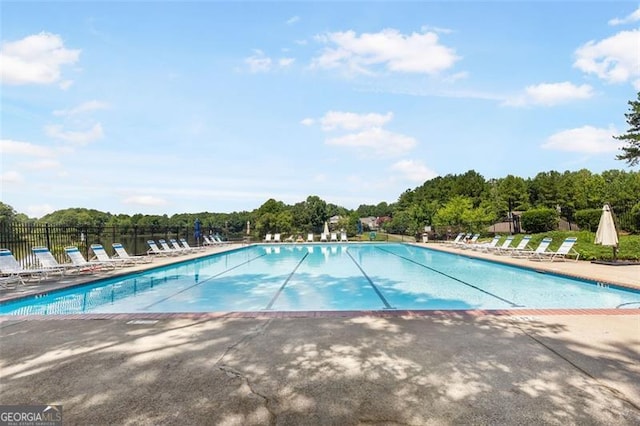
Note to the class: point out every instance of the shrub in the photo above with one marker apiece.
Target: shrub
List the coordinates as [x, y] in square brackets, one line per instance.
[540, 220]
[588, 219]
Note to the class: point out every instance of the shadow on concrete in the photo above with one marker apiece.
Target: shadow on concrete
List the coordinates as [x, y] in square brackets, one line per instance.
[441, 369]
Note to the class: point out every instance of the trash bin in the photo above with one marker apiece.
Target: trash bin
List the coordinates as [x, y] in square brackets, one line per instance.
[425, 238]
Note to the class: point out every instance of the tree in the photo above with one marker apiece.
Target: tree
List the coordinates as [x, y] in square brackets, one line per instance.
[631, 152]
[7, 213]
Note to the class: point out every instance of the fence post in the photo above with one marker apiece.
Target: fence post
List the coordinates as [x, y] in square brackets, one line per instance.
[46, 234]
[135, 239]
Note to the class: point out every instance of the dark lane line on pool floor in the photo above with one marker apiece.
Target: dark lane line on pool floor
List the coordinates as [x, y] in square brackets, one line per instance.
[284, 284]
[371, 283]
[513, 305]
[203, 281]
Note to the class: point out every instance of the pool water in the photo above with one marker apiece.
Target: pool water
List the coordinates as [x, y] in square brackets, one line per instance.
[297, 277]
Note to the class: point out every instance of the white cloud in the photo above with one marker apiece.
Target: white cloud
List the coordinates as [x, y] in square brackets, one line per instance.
[145, 200]
[74, 137]
[353, 121]
[549, 94]
[35, 59]
[376, 141]
[414, 53]
[614, 59]
[293, 20]
[82, 108]
[8, 146]
[10, 177]
[586, 139]
[258, 62]
[415, 171]
[42, 165]
[285, 62]
[40, 210]
[630, 18]
[308, 122]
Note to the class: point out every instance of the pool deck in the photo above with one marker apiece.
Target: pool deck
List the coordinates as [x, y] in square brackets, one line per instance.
[409, 368]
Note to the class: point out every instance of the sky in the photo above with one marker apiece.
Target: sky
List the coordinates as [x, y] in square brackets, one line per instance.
[184, 107]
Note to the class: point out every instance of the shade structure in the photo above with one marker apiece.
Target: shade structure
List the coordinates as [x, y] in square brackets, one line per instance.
[326, 228]
[606, 234]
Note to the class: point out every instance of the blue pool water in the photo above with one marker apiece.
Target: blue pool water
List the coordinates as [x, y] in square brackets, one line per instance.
[328, 277]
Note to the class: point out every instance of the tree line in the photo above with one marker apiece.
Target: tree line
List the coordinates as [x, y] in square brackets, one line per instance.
[463, 200]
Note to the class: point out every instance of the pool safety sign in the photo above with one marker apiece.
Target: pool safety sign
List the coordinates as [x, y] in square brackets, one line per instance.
[30, 415]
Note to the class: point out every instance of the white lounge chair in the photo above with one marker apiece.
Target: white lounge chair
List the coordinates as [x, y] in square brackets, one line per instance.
[47, 261]
[185, 244]
[101, 255]
[267, 238]
[276, 238]
[343, 237]
[216, 239]
[334, 237]
[542, 247]
[166, 247]
[566, 249]
[309, 238]
[206, 241]
[522, 245]
[323, 238]
[154, 249]
[84, 265]
[505, 244]
[122, 253]
[177, 247]
[10, 267]
[458, 238]
[469, 243]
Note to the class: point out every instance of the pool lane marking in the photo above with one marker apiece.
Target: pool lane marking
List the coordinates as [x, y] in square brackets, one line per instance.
[273, 299]
[203, 281]
[513, 305]
[375, 288]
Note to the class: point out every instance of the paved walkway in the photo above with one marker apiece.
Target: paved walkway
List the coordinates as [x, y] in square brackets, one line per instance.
[437, 368]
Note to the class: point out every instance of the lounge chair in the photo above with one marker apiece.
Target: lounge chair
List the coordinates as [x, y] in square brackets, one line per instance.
[84, 265]
[207, 241]
[309, 238]
[10, 267]
[323, 238]
[334, 237]
[216, 239]
[505, 245]
[167, 248]
[459, 242]
[48, 262]
[458, 238]
[267, 238]
[6, 281]
[101, 255]
[276, 238]
[123, 254]
[186, 245]
[177, 247]
[522, 245]
[485, 246]
[343, 237]
[542, 247]
[469, 243]
[154, 249]
[566, 249]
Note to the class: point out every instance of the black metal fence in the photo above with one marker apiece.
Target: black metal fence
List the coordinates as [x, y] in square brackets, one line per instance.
[20, 238]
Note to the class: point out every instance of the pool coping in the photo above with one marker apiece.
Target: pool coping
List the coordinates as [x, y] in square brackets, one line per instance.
[91, 279]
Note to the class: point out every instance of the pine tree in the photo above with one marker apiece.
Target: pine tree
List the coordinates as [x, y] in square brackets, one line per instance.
[632, 151]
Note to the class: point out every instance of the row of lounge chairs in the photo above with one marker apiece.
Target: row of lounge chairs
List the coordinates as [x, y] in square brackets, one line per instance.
[324, 238]
[13, 273]
[523, 250]
[175, 248]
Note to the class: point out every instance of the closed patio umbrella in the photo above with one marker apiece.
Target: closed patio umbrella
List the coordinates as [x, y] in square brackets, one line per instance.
[606, 234]
[197, 231]
[326, 228]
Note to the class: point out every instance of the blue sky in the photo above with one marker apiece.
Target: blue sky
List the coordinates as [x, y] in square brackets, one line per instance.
[171, 107]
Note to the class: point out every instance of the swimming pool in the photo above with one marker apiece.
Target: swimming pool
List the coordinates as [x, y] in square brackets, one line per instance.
[338, 277]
